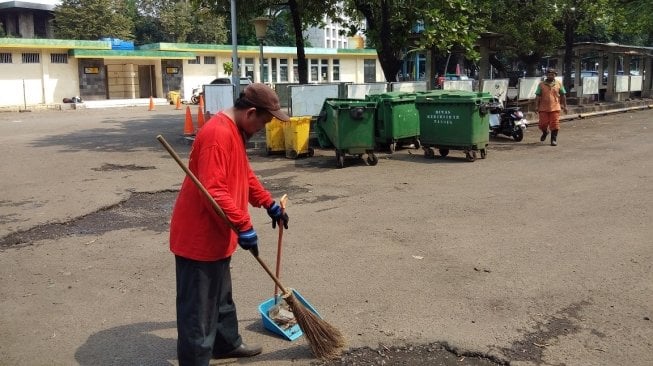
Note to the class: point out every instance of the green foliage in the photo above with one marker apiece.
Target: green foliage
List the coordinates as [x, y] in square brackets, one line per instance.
[456, 23]
[92, 19]
[176, 20]
[228, 67]
[391, 27]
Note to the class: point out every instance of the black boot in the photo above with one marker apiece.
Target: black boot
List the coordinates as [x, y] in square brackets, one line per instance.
[545, 133]
[554, 138]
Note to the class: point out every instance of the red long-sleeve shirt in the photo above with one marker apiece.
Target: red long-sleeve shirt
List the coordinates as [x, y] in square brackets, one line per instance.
[219, 161]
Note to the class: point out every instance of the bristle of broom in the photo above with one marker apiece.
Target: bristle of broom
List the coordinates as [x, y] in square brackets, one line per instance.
[326, 341]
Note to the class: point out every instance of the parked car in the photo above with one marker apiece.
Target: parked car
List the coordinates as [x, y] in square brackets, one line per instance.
[243, 81]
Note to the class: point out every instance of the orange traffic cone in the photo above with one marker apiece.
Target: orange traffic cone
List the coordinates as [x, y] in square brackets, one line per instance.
[201, 101]
[189, 130]
[178, 104]
[200, 115]
[151, 104]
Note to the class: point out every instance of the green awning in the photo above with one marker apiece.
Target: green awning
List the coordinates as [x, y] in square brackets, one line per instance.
[122, 54]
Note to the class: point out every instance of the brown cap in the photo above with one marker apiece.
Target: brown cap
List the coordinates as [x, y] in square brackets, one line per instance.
[262, 96]
[551, 70]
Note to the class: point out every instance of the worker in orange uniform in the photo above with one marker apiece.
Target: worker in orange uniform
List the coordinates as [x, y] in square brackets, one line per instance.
[549, 100]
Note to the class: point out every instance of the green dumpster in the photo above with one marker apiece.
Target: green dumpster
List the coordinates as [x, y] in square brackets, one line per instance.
[454, 120]
[348, 126]
[396, 119]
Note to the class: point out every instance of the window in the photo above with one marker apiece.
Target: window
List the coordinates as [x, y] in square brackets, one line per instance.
[5, 58]
[369, 71]
[283, 69]
[265, 71]
[59, 58]
[249, 67]
[196, 61]
[209, 60]
[31, 58]
[336, 70]
[274, 70]
[295, 70]
[324, 70]
[315, 70]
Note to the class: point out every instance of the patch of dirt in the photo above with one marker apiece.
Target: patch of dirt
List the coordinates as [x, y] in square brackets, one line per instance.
[433, 354]
[149, 211]
[111, 167]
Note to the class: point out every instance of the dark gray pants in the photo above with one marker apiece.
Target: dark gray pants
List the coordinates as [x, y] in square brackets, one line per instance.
[206, 314]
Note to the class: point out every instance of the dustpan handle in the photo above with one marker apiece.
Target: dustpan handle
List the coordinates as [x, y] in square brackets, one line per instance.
[215, 205]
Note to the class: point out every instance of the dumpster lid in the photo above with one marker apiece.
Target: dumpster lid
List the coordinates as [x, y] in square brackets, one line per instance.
[452, 96]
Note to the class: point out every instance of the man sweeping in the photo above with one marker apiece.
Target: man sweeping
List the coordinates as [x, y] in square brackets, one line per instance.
[203, 242]
[549, 100]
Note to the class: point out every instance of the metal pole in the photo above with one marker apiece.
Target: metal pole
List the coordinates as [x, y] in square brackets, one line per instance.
[235, 74]
[261, 63]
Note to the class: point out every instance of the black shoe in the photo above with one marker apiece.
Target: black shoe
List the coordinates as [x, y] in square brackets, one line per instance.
[554, 138]
[243, 350]
[544, 135]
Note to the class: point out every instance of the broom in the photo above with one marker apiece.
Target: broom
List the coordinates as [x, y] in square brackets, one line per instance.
[325, 340]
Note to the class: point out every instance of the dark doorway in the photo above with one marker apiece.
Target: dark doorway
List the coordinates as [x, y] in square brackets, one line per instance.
[146, 87]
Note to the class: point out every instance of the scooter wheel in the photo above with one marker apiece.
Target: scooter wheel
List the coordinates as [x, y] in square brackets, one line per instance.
[518, 135]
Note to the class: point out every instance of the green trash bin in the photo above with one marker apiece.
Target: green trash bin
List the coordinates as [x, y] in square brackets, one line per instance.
[348, 126]
[396, 120]
[454, 120]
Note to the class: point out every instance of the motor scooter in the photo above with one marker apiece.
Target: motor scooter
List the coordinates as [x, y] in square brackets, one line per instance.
[507, 121]
[195, 95]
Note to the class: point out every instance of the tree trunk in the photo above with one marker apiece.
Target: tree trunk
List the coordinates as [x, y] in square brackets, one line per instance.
[570, 28]
[302, 64]
[390, 62]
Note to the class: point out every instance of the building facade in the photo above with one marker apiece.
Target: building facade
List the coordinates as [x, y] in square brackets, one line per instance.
[45, 71]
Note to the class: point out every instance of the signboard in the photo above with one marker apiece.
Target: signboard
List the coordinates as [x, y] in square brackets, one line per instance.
[590, 85]
[465, 85]
[218, 97]
[307, 100]
[498, 88]
[621, 83]
[359, 91]
[636, 83]
[528, 86]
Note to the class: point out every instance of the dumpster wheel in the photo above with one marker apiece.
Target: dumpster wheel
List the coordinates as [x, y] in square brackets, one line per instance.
[340, 159]
[311, 151]
[292, 154]
[471, 155]
[392, 147]
[428, 152]
[372, 159]
[483, 153]
[443, 152]
[416, 143]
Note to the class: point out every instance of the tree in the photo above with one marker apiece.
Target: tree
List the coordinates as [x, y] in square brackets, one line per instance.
[391, 28]
[576, 17]
[92, 20]
[528, 29]
[177, 21]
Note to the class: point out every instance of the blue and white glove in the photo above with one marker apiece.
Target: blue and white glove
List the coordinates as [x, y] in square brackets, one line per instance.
[248, 240]
[277, 214]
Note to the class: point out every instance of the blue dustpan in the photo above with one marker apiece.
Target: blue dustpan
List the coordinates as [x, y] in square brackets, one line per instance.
[291, 333]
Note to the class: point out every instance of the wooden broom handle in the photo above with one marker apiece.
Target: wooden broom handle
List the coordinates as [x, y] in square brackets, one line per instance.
[216, 207]
[282, 204]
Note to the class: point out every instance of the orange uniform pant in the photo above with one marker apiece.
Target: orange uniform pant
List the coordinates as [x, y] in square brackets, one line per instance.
[549, 120]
